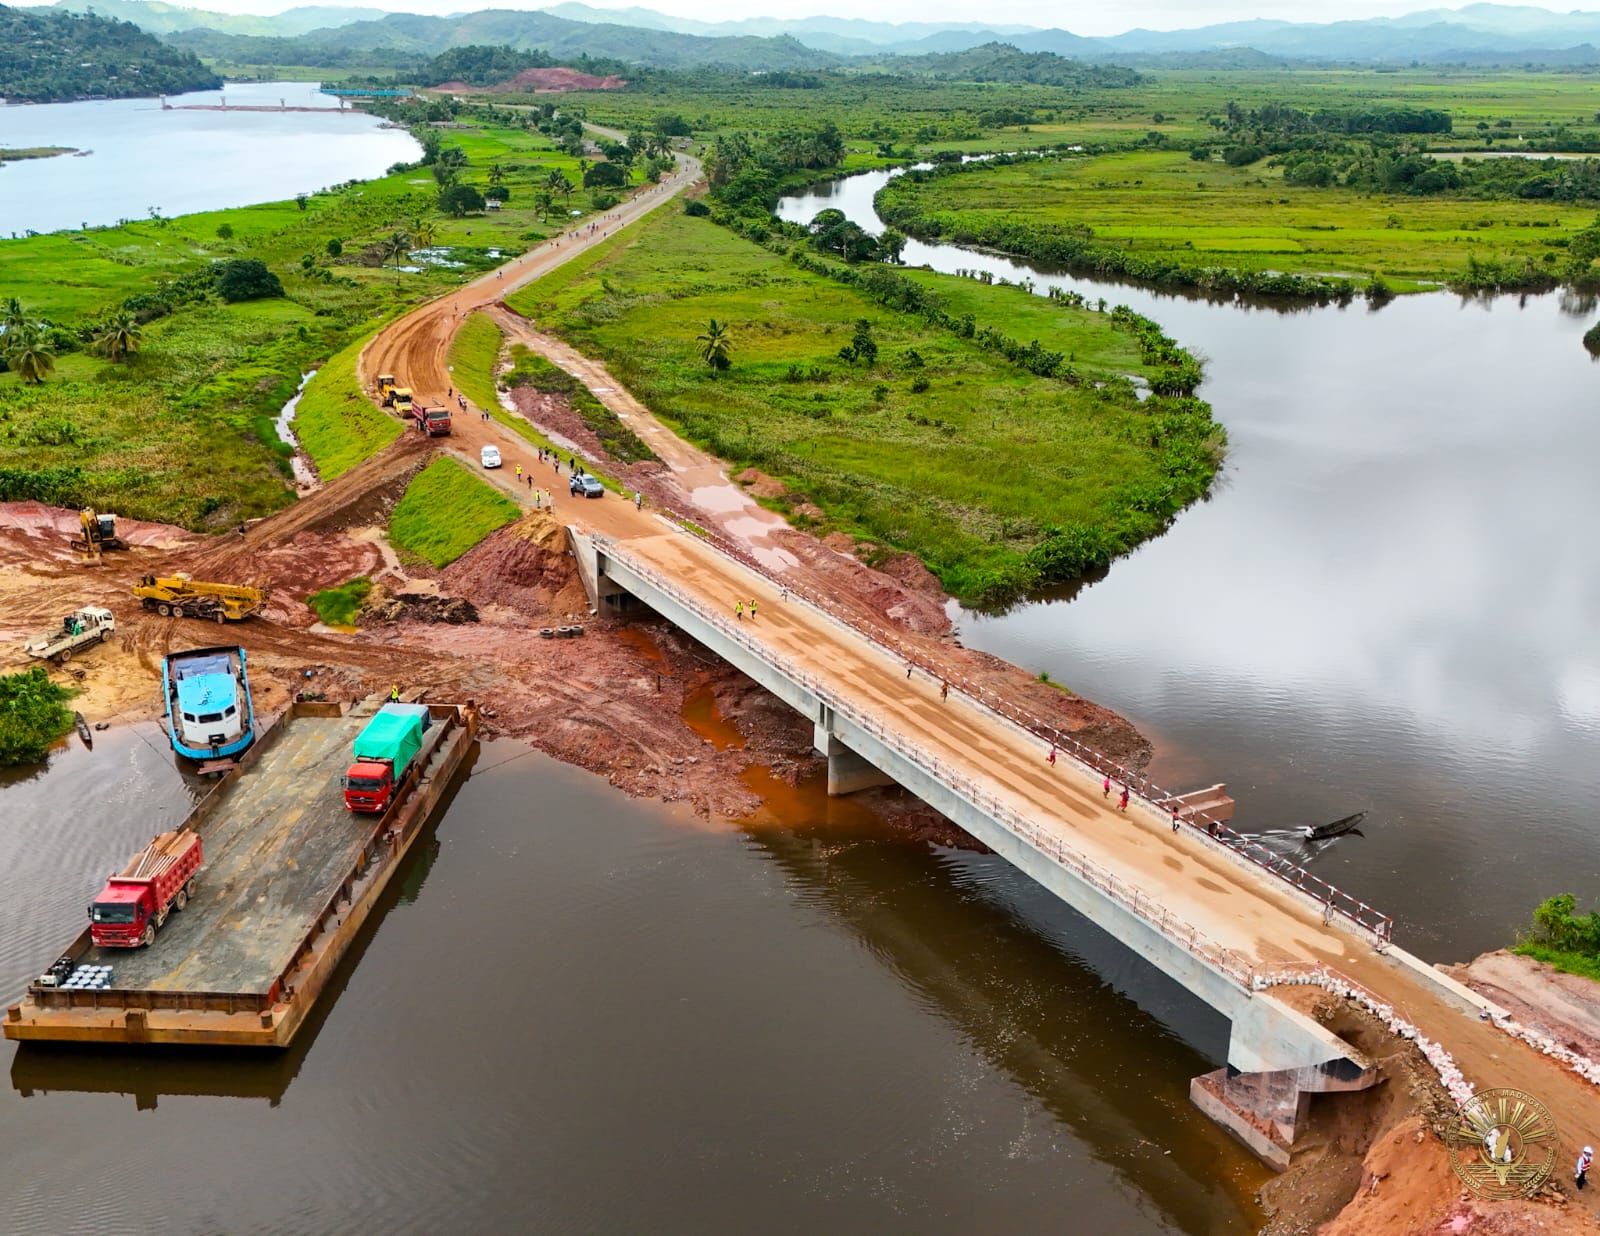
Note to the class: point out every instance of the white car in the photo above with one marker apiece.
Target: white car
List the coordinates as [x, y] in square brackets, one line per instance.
[490, 456]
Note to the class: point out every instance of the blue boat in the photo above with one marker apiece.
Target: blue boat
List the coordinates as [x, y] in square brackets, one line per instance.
[209, 714]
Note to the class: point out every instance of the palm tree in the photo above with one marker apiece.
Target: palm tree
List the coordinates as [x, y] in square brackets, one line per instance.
[542, 201]
[119, 338]
[715, 346]
[556, 182]
[424, 233]
[496, 174]
[396, 246]
[28, 353]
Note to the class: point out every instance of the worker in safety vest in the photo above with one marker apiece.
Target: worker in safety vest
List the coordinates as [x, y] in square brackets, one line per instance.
[394, 694]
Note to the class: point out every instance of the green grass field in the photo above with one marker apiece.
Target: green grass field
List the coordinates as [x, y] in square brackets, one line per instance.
[446, 511]
[335, 421]
[474, 353]
[939, 447]
[183, 432]
[1162, 203]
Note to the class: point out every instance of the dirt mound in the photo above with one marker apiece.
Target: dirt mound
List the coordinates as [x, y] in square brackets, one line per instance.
[557, 79]
[539, 81]
[759, 485]
[525, 566]
[416, 607]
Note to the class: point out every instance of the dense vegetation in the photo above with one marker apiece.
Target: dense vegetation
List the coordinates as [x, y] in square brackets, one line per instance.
[48, 55]
[897, 406]
[447, 510]
[1563, 938]
[33, 715]
[1001, 62]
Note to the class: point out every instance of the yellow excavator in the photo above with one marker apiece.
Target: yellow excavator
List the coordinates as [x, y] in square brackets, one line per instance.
[178, 596]
[99, 533]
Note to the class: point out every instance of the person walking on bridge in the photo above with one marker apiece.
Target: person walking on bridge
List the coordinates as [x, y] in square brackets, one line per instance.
[752, 609]
[1051, 758]
[1105, 787]
[1585, 1162]
[738, 610]
[1175, 820]
[1123, 804]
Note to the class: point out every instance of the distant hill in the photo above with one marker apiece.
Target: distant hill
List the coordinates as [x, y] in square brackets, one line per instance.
[998, 62]
[48, 57]
[160, 18]
[376, 42]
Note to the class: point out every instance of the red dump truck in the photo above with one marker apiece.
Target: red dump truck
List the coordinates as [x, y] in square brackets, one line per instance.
[384, 753]
[435, 422]
[136, 901]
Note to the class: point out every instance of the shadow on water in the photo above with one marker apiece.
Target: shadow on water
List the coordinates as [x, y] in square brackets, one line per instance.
[1047, 999]
[150, 1073]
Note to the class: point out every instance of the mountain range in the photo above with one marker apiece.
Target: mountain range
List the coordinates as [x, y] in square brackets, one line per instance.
[1477, 33]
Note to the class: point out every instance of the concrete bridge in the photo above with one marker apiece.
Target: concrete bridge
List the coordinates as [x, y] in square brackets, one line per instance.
[1163, 893]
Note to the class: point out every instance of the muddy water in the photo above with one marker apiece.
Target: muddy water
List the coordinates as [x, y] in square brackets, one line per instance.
[583, 1013]
[1390, 603]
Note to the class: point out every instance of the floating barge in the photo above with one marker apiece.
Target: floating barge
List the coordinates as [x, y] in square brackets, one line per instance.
[289, 878]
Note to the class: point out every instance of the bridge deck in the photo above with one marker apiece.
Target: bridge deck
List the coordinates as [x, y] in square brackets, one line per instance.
[1242, 909]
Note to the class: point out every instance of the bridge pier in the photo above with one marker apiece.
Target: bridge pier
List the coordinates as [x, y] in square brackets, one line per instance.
[847, 771]
[1265, 1110]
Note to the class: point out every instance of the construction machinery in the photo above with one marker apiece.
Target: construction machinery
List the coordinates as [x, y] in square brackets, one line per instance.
[400, 400]
[386, 389]
[99, 532]
[90, 625]
[136, 901]
[179, 596]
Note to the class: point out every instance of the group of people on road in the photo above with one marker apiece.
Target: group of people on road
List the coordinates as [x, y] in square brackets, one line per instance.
[739, 607]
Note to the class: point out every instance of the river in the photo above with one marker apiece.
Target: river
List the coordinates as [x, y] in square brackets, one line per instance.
[1390, 602]
[178, 161]
[582, 1013]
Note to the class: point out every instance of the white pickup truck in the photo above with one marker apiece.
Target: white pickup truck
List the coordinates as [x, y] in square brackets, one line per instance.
[79, 629]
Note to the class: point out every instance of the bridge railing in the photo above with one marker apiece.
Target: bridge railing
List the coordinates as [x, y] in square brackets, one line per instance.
[1153, 910]
[1334, 900]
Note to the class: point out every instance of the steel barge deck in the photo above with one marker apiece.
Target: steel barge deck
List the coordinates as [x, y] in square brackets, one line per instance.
[289, 877]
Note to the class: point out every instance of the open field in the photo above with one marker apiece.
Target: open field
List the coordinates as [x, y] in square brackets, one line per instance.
[446, 511]
[181, 432]
[936, 446]
[1162, 203]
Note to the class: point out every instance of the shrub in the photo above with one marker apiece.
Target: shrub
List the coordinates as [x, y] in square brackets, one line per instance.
[245, 279]
[337, 606]
[33, 714]
[694, 206]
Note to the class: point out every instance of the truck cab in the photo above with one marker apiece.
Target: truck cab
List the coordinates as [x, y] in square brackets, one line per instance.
[368, 785]
[120, 914]
[435, 422]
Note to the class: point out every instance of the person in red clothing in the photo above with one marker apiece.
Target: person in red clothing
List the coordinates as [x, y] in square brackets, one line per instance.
[1123, 805]
[1051, 758]
[1105, 787]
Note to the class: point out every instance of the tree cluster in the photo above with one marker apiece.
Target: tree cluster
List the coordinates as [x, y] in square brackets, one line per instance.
[47, 55]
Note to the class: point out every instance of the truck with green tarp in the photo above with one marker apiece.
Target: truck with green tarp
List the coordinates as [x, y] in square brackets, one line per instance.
[384, 752]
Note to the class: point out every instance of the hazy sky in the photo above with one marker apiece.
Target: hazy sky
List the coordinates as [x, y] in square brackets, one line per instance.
[1078, 16]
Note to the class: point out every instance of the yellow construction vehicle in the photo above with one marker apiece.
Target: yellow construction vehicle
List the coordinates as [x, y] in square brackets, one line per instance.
[386, 389]
[181, 597]
[400, 398]
[99, 533]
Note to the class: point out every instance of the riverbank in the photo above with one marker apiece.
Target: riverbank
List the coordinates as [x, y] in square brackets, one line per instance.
[1161, 216]
[35, 152]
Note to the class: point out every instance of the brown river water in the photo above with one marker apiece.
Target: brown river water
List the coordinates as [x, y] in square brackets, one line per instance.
[589, 1014]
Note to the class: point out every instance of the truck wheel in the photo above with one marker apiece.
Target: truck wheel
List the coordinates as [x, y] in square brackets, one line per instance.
[182, 899]
[105, 634]
[149, 936]
[177, 611]
[64, 657]
[220, 617]
[164, 609]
